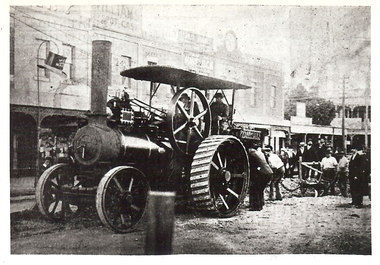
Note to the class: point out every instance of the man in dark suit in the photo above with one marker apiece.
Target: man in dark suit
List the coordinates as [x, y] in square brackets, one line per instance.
[356, 168]
[309, 156]
[321, 150]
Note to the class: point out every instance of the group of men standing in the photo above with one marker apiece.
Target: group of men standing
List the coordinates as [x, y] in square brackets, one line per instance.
[338, 168]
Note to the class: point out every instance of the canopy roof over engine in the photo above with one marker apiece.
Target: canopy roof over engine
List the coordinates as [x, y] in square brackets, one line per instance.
[179, 77]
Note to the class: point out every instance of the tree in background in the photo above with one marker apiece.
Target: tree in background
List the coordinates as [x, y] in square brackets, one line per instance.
[320, 110]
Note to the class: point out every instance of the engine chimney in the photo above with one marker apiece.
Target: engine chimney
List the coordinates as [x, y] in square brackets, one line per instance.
[100, 79]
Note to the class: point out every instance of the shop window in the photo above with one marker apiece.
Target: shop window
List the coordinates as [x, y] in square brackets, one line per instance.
[43, 54]
[124, 64]
[69, 68]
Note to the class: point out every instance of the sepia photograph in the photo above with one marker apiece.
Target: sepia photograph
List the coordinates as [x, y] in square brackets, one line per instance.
[196, 129]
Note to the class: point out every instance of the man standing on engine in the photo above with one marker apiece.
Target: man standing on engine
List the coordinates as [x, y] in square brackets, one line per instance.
[219, 115]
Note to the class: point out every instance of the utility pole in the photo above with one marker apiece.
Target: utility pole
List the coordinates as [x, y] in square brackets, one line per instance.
[367, 93]
[343, 115]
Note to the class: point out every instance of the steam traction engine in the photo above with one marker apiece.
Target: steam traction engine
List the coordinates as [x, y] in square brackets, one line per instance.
[118, 160]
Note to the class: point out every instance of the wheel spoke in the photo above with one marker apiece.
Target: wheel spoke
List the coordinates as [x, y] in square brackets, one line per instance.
[55, 206]
[180, 128]
[134, 207]
[214, 165]
[219, 159]
[118, 184]
[183, 111]
[122, 219]
[241, 175]
[54, 184]
[233, 193]
[192, 104]
[130, 185]
[198, 132]
[180, 141]
[200, 115]
[224, 202]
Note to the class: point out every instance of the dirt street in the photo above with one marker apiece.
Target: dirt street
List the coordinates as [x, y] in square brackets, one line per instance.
[295, 225]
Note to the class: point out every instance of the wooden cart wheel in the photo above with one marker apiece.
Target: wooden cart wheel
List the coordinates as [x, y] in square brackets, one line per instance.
[51, 199]
[219, 175]
[188, 126]
[121, 198]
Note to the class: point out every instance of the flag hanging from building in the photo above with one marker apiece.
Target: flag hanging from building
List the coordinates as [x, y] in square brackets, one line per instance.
[55, 64]
[56, 61]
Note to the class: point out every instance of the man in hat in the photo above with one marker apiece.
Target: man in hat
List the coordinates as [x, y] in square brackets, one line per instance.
[185, 99]
[309, 156]
[321, 149]
[328, 166]
[219, 115]
[356, 174]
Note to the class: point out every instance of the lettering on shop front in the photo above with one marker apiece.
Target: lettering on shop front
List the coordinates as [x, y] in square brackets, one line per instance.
[199, 63]
[193, 38]
[118, 18]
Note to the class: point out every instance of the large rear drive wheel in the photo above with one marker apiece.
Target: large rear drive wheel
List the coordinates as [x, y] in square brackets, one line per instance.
[219, 175]
[121, 198]
[51, 198]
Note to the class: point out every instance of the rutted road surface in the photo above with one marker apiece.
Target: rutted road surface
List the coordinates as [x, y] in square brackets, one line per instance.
[295, 225]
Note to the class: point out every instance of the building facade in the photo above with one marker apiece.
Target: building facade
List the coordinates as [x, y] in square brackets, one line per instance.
[47, 107]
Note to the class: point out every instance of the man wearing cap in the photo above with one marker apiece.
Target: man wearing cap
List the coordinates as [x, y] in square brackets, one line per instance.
[328, 166]
[219, 114]
[356, 174]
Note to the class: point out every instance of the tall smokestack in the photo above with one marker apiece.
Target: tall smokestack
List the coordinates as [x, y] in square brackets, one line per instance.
[100, 75]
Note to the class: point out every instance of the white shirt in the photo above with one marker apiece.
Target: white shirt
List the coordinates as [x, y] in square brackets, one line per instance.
[275, 161]
[328, 162]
